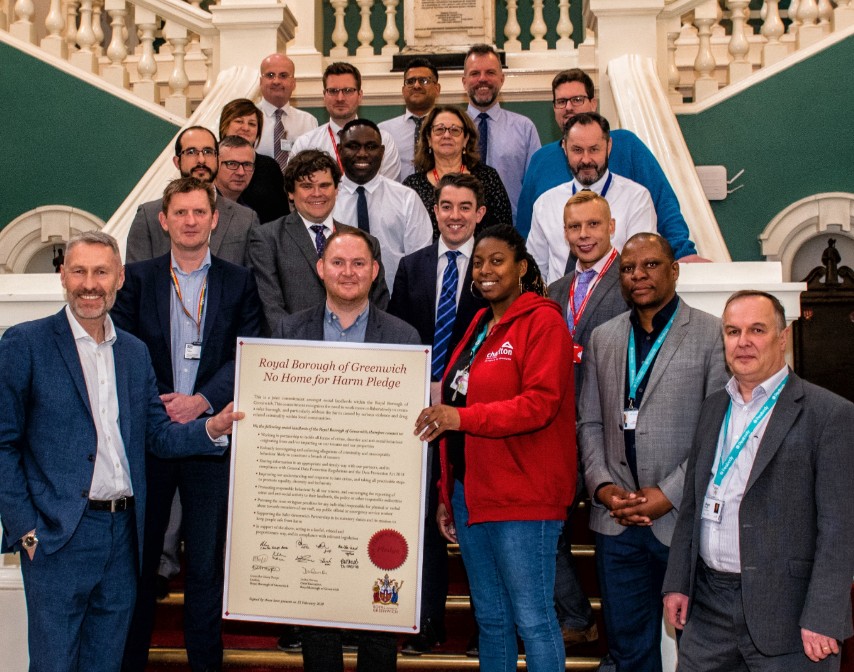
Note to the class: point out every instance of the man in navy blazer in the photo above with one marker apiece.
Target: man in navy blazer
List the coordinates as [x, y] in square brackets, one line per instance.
[189, 308]
[761, 560]
[347, 269]
[81, 407]
[415, 299]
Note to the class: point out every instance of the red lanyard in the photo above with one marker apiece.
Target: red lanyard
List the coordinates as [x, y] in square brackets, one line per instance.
[335, 147]
[436, 172]
[577, 316]
[197, 322]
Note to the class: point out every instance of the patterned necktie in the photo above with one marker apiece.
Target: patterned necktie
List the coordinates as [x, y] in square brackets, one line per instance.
[482, 136]
[418, 121]
[362, 210]
[319, 238]
[446, 314]
[278, 135]
[583, 282]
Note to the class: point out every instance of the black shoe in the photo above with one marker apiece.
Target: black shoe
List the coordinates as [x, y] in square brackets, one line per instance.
[162, 588]
[424, 642]
[290, 639]
[473, 647]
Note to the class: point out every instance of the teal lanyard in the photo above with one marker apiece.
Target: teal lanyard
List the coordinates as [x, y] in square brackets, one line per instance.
[635, 375]
[725, 464]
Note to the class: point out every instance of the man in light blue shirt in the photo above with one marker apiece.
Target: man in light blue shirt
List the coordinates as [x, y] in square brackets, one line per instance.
[507, 141]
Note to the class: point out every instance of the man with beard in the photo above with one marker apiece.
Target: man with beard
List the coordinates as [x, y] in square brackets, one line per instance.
[506, 140]
[196, 155]
[587, 143]
[393, 213]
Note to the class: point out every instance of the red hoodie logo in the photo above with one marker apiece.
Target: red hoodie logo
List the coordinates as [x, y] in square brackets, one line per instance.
[503, 353]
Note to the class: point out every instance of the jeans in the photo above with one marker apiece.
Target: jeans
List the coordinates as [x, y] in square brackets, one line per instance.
[511, 570]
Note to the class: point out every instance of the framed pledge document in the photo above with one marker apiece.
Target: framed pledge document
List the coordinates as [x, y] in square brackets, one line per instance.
[326, 507]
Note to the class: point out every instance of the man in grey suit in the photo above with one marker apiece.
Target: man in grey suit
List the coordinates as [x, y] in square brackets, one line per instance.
[196, 155]
[646, 373]
[347, 268]
[763, 553]
[284, 253]
[588, 296]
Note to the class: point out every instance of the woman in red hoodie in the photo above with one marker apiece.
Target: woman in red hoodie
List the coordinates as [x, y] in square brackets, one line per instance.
[507, 428]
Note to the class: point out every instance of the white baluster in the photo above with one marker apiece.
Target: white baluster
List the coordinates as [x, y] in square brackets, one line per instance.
[117, 50]
[512, 29]
[97, 28]
[145, 87]
[843, 15]
[84, 58]
[739, 66]
[705, 83]
[564, 27]
[339, 33]
[23, 27]
[207, 46]
[825, 14]
[391, 34]
[809, 32]
[71, 24]
[794, 21]
[538, 29]
[673, 94]
[54, 43]
[772, 29]
[365, 34]
[177, 101]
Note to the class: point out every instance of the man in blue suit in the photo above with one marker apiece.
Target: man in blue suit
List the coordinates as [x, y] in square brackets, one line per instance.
[188, 307]
[459, 208]
[81, 407]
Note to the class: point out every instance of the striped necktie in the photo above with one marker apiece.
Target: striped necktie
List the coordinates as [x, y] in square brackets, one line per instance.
[446, 314]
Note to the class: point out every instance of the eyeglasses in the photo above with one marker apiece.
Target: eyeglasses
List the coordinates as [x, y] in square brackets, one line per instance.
[439, 131]
[248, 166]
[347, 91]
[276, 75]
[195, 151]
[410, 82]
[575, 101]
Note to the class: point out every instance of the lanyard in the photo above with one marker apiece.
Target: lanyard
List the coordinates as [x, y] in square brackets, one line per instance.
[604, 189]
[636, 376]
[725, 464]
[335, 147]
[197, 322]
[436, 172]
[463, 373]
[577, 316]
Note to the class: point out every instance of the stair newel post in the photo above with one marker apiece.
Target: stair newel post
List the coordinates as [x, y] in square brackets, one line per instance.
[177, 101]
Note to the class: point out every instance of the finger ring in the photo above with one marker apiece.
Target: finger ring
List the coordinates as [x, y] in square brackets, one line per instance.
[436, 424]
[825, 648]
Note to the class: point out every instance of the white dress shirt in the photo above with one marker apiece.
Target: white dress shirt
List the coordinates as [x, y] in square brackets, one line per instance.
[111, 478]
[512, 141]
[321, 138]
[631, 208]
[463, 259]
[398, 218]
[402, 129]
[296, 123]
[719, 541]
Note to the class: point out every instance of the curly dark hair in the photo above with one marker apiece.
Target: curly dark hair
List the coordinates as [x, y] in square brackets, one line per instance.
[532, 281]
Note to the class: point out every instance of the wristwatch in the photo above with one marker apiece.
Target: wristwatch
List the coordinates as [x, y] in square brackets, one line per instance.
[29, 541]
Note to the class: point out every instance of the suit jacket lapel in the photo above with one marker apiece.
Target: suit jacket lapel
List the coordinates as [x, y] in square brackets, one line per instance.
[668, 348]
[601, 289]
[226, 212]
[299, 234]
[708, 435]
[68, 350]
[163, 289]
[783, 416]
[123, 390]
[374, 330]
[213, 297]
[426, 286]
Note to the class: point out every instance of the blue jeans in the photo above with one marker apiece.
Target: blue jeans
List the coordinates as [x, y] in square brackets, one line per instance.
[511, 570]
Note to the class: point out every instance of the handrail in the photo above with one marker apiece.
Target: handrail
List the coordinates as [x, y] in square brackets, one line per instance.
[194, 19]
[643, 107]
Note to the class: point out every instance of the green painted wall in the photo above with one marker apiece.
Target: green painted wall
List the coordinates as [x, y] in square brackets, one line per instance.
[48, 116]
[793, 136]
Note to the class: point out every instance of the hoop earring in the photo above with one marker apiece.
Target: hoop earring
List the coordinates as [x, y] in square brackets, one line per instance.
[477, 294]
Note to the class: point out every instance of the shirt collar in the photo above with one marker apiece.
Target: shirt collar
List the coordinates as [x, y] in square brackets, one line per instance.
[466, 249]
[598, 266]
[206, 263]
[761, 391]
[660, 319]
[79, 333]
[369, 186]
[493, 112]
[269, 109]
[331, 318]
[328, 223]
[597, 186]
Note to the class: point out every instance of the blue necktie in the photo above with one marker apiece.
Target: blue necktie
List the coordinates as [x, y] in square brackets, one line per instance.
[446, 314]
[362, 210]
[583, 282]
[319, 238]
[482, 136]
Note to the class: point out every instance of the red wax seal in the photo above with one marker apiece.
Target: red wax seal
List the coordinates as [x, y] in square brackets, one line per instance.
[387, 549]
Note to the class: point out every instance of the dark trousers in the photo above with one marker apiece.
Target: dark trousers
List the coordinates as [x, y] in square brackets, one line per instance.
[573, 607]
[434, 577]
[202, 483]
[716, 639]
[80, 598]
[631, 570]
[322, 650]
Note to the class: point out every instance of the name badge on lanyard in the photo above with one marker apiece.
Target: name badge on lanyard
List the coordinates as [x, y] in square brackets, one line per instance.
[192, 350]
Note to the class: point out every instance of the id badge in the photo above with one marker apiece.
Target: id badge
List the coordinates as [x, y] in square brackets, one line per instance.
[460, 383]
[285, 145]
[192, 351]
[577, 351]
[713, 509]
[630, 418]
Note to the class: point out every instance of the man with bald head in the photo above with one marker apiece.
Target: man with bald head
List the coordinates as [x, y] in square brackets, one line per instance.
[283, 123]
